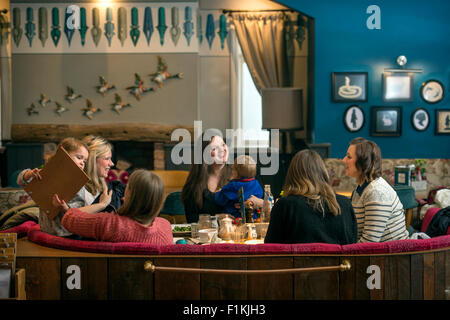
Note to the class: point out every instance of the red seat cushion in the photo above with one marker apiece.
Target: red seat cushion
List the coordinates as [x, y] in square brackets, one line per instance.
[22, 229]
[37, 236]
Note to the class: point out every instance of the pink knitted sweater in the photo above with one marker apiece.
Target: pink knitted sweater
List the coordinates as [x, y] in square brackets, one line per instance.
[114, 228]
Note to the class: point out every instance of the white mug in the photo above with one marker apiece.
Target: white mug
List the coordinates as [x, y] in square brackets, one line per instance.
[206, 235]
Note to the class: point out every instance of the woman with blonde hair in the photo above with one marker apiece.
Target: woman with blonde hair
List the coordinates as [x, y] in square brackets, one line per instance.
[310, 211]
[137, 219]
[98, 164]
[97, 168]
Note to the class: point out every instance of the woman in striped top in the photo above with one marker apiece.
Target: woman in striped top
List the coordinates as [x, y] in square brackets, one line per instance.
[379, 212]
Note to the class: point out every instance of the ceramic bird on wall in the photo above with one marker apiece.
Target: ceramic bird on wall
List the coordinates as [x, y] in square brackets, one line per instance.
[60, 108]
[104, 87]
[89, 110]
[138, 89]
[32, 110]
[43, 101]
[162, 73]
[118, 105]
[71, 95]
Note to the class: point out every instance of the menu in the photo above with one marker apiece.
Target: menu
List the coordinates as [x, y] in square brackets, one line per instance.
[60, 175]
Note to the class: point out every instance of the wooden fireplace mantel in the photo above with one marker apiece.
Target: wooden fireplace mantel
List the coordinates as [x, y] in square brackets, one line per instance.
[151, 132]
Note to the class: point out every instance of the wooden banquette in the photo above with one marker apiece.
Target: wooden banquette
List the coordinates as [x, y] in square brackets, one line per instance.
[58, 268]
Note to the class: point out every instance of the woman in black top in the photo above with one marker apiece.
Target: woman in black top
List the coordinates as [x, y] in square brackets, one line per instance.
[205, 178]
[310, 211]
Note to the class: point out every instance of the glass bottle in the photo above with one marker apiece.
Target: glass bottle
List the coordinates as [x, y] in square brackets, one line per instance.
[249, 213]
[214, 223]
[267, 205]
[204, 221]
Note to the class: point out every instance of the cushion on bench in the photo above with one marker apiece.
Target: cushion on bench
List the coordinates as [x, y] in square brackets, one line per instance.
[44, 239]
[35, 235]
[21, 230]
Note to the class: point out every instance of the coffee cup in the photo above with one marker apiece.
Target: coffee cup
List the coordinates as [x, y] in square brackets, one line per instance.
[206, 235]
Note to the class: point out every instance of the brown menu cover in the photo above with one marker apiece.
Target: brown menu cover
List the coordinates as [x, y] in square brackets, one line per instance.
[60, 175]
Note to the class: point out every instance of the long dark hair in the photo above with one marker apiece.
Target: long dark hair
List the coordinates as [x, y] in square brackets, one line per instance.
[197, 180]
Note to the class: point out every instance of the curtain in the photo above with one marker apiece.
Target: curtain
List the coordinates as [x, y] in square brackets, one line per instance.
[262, 40]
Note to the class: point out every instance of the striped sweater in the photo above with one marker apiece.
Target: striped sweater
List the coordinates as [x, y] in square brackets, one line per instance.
[379, 213]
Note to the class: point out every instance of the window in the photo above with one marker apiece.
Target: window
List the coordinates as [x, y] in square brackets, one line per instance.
[247, 106]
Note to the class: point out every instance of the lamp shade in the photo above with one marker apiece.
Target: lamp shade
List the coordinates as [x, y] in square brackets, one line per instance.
[282, 108]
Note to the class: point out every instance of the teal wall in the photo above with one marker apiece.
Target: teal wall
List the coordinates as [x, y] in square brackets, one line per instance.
[418, 29]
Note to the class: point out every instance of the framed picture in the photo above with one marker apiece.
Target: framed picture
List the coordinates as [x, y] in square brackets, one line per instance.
[349, 86]
[420, 119]
[442, 122]
[397, 87]
[432, 91]
[386, 121]
[354, 118]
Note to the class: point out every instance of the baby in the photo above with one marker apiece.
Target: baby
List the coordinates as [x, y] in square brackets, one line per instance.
[244, 172]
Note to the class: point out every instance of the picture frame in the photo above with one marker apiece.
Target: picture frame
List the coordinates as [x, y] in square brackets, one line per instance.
[354, 118]
[442, 122]
[432, 91]
[398, 87]
[420, 119]
[386, 121]
[349, 86]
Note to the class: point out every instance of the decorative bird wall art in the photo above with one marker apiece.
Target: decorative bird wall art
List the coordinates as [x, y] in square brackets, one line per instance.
[90, 110]
[138, 88]
[71, 95]
[60, 108]
[32, 110]
[104, 87]
[43, 101]
[162, 74]
[118, 104]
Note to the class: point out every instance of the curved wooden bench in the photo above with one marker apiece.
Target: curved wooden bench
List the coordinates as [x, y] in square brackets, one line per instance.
[59, 268]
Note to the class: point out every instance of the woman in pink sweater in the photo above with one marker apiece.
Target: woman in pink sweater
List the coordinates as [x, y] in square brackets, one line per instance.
[136, 220]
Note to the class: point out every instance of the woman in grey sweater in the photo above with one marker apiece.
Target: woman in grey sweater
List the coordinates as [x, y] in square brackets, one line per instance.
[379, 212]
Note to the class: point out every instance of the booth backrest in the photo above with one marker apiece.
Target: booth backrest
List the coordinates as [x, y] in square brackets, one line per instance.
[173, 180]
[399, 246]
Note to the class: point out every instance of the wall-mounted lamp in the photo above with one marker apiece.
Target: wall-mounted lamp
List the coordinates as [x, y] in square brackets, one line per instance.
[401, 61]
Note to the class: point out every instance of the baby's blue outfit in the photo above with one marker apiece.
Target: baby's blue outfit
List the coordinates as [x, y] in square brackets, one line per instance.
[229, 195]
